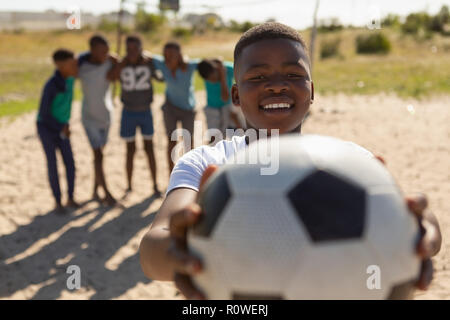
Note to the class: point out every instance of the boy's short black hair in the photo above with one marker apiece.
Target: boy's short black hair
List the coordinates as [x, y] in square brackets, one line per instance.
[205, 68]
[172, 45]
[96, 40]
[62, 54]
[265, 31]
[135, 39]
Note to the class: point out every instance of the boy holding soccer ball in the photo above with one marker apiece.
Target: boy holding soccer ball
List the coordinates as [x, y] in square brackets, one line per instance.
[274, 89]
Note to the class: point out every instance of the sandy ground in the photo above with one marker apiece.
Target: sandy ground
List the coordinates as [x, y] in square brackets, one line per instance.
[37, 245]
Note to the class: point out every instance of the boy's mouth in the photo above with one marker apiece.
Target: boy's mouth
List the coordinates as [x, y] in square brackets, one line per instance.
[276, 107]
[280, 104]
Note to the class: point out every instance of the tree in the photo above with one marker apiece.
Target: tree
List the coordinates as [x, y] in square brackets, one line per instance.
[147, 22]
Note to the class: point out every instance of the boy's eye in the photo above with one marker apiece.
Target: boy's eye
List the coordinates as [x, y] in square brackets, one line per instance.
[295, 76]
[260, 77]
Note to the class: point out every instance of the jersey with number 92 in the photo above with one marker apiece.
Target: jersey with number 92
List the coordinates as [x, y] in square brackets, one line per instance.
[137, 89]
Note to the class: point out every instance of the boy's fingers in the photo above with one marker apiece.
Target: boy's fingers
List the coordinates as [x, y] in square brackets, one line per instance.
[207, 173]
[381, 159]
[417, 203]
[428, 244]
[183, 219]
[426, 275]
[184, 262]
[187, 288]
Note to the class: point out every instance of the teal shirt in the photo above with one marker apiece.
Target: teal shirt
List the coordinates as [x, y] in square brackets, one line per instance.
[179, 88]
[62, 103]
[213, 90]
[56, 102]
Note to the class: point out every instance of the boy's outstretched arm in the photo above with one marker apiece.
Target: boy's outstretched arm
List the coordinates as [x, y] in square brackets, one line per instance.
[163, 251]
[159, 257]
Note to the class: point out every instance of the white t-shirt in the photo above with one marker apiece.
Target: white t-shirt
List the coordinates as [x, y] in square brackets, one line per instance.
[189, 169]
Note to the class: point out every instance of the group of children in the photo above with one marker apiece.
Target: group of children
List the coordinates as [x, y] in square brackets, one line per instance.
[96, 70]
[273, 88]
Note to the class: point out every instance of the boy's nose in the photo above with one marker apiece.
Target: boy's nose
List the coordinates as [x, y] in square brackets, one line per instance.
[277, 86]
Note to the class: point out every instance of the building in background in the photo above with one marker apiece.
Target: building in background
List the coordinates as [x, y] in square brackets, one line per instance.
[54, 20]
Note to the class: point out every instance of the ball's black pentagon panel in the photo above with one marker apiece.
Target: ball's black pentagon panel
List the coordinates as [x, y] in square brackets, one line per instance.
[212, 201]
[329, 207]
[247, 296]
[403, 291]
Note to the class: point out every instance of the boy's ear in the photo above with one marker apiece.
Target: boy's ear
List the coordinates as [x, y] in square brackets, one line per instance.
[235, 95]
[312, 92]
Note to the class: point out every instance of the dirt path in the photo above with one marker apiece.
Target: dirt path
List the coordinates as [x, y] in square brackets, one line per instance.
[37, 245]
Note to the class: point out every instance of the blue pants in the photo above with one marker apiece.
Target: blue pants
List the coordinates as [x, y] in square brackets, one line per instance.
[51, 141]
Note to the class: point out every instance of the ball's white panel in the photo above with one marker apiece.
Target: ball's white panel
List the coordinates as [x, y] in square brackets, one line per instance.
[345, 159]
[254, 246]
[278, 167]
[213, 280]
[392, 233]
[337, 270]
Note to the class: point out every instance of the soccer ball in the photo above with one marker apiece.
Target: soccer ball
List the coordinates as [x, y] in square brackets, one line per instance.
[330, 223]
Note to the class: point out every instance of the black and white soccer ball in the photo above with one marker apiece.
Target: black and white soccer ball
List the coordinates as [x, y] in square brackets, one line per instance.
[331, 223]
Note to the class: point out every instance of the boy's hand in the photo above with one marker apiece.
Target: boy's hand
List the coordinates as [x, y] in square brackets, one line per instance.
[430, 241]
[65, 132]
[146, 53]
[220, 68]
[224, 90]
[114, 58]
[186, 264]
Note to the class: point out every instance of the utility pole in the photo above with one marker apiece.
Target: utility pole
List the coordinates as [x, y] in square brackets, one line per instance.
[313, 35]
[119, 26]
[119, 38]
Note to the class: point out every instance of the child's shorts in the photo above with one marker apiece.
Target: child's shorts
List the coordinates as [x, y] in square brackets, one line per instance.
[218, 118]
[133, 119]
[173, 114]
[97, 135]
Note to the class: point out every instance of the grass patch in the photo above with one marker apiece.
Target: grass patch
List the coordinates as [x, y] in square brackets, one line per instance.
[370, 76]
[16, 108]
[411, 69]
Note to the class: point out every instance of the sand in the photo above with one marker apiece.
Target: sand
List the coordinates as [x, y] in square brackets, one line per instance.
[37, 245]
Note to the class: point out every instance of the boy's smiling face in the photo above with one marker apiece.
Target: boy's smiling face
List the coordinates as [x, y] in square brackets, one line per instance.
[134, 51]
[273, 84]
[99, 53]
[67, 67]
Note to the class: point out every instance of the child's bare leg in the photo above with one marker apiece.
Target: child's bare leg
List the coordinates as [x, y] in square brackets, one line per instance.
[131, 150]
[148, 146]
[100, 177]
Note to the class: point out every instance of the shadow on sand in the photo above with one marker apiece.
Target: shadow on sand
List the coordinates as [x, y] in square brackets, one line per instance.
[77, 245]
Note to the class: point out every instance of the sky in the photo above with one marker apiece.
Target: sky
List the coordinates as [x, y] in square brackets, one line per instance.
[296, 13]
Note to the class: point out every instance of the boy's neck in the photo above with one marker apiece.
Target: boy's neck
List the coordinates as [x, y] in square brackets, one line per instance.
[268, 134]
[137, 61]
[65, 76]
[93, 61]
